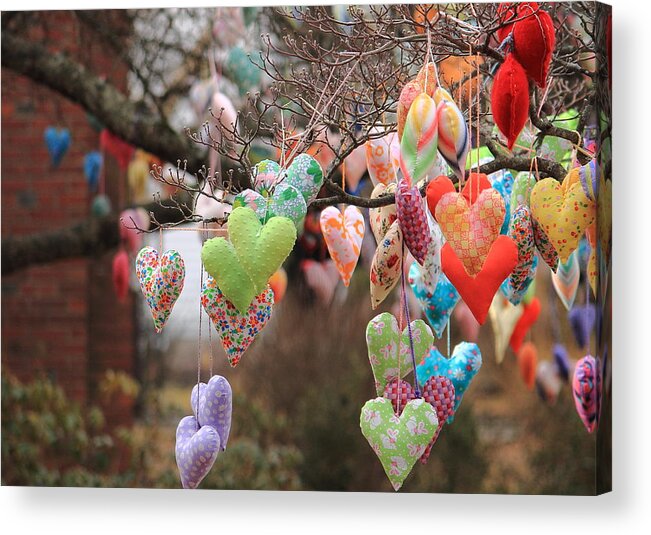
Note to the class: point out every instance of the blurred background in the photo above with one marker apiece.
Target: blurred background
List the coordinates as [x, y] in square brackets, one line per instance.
[91, 396]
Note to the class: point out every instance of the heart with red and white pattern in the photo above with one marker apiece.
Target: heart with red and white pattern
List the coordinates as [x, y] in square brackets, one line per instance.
[399, 393]
[438, 391]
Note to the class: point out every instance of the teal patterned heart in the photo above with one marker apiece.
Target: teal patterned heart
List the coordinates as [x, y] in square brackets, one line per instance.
[306, 175]
[286, 201]
[398, 441]
[265, 176]
[389, 351]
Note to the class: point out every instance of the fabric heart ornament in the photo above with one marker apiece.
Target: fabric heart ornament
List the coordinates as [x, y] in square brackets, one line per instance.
[407, 96]
[526, 291]
[161, 281]
[521, 232]
[382, 218]
[285, 201]
[278, 284]
[566, 280]
[474, 185]
[399, 393]
[586, 388]
[419, 141]
[533, 42]
[120, 274]
[466, 322]
[322, 278]
[236, 329]
[305, 174]
[548, 382]
[386, 266]
[460, 369]
[502, 182]
[265, 175]
[389, 350]
[529, 316]
[57, 141]
[504, 317]
[214, 407]
[93, 162]
[527, 363]
[437, 305]
[544, 245]
[413, 220]
[383, 158]
[116, 147]
[426, 77]
[343, 234]
[453, 135]
[471, 230]
[563, 215]
[582, 320]
[510, 99]
[562, 361]
[438, 391]
[196, 451]
[508, 12]
[398, 441]
[435, 190]
[478, 292]
[432, 264]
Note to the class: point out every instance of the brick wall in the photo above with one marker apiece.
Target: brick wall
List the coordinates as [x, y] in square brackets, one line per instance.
[60, 319]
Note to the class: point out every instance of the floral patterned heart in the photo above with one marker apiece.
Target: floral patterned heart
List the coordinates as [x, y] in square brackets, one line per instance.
[471, 230]
[285, 201]
[389, 350]
[236, 329]
[305, 174]
[196, 451]
[386, 266]
[438, 306]
[398, 441]
[382, 218]
[586, 387]
[161, 281]
[521, 232]
[214, 407]
[383, 158]
[343, 234]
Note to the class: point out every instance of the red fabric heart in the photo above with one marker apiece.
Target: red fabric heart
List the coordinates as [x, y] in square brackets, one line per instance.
[527, 362]
[120, 275]
[533, 42]
[529, 316]
[510, 99]
[508, 11]
[478, 292]
[436, 189]
[120, 150]
[476, 183]
[438, 391]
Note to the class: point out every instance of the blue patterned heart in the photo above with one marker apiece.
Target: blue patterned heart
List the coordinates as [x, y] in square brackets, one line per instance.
[57, 141]
[460, 368]
[502, 181]
[437, 306]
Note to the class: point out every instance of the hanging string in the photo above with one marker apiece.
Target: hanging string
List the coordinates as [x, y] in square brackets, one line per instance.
[448, 336]
[160, 240]
[199, 351]
[411, 336]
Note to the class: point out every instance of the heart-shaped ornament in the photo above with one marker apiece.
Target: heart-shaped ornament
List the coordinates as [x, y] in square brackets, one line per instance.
[438, 391]
[387, 265]
[214, 406]
[284, 201]
[266, 174]
[236, 329]
[436, 189]
[454, 138]
[413, 220]
[582, 320]
[527, 363]
[504, 316]
[322, 278]
[161, 281]
[438, 305]
[382, 218]
[57, 141]
[566, 280]
[399, 393]
[586, 388]
[305, 174]
[562, 361]
[398, 441]
[196, 451]
[521, 232]
[419, 139]
[383, 158]
[343, 234]
[389, 350]
[530, 313]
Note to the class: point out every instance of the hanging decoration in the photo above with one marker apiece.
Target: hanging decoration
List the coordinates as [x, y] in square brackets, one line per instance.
[504, 317]
[533, 42]
[438, 306]
[382, 218]
[453, 135]
[343, 234]
[510, 99]
[439, 392]
[322, 278]
[57, 141]
[116, 147]
[586, 387]
[386, 266]
[413, 220]
[383, 158]
[582, 320]
[93, 162]
[214, 406]
[527, 363]
[120, 274]
[419, 141]
[566, 280]
[530, 313]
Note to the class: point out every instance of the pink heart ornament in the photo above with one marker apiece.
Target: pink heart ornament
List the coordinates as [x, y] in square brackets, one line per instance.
[343, 234]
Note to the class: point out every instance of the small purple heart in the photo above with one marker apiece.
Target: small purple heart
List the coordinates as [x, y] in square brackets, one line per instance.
[196, 451]
[562, 361]
[582, 320]
[215, 406]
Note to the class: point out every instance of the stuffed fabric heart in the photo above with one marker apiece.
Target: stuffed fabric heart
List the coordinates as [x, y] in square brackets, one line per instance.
[504, 317]
[161, 281]
[529, 316]
[478, 292]
[322, 278]
[507, 12]
[399, 393]
[502, 182]
[562, 361]
[436, 189]
[526, 291]
[438, 305]
[474, 185]
[116, 147]
[586, 387]
[566, 280]
[453, 136]
[527, 363]
[389, 350]
[563, 216]
[460, 369]
[510, 99]
[196, 451]
[382, 218]
[582, 319]
[432, 264]
[120, 274]
[265, 175]
[278, 284]
[533, 42]
[236, 329]
[548, 382]
[521, 232]
[419, 141]
[305, 174]
[57, 141]
[92, 169]
[413, 220]
[545, 247]
[438, 391]
[383, 158]
[214, 406]
[398, 441]
[471, 230]
[387, 265]
[286, 201]
[343, 234]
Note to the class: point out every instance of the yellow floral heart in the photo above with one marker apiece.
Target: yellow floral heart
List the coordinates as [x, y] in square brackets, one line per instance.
[563, 213]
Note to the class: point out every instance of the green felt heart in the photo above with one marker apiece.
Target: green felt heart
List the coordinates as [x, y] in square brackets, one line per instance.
[222, 263]
[398, 441]
[389, 352]
[261, 249]
[306, 175]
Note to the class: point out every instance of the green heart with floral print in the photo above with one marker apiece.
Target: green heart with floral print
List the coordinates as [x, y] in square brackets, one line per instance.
[285, 201]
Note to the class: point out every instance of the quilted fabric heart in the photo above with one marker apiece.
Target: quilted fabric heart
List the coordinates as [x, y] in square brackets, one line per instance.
[161, 281]
[343, 234]
[237, 330]
[566, 280]
[196, 451]
[460, 369]
[504, 316]
[435, 190]
[413, 220]
[387, 265]
[586, 388]
[305, 174]
[471, 230]
[529, 316]
[389, 350]
[438, 305]
[398, 441]
[57, 141]
[383, 158]
[478, 292]
[399, 393]
[563, 216]
[582, 320]
[382, 218]
[521, 232]
[438, 391]
[214, 406]
[432, 264]
[285, 201]
[527, 363]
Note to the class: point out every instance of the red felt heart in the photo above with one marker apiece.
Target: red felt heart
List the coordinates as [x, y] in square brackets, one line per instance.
[478, 292]
[528, 362]
[508, 11]
[510, 99]
[436, 189]
[119, 149]
[476, 183]
[527, 319]
[438, 391]
[400, 393]
[533, 42]
[120, 274]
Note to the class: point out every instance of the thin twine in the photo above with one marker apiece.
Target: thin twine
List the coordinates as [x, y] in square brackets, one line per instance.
[448, 336]
[478, 110]
[199, 351]
[411, 336]
[401, 323]
[160, 240]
